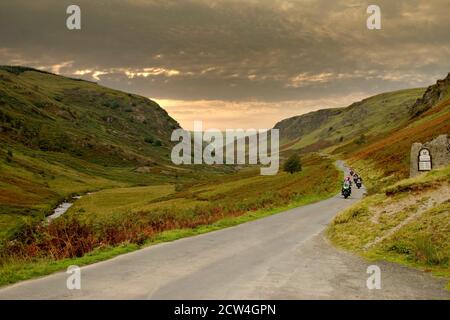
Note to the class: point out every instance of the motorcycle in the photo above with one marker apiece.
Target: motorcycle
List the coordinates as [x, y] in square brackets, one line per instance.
[346, 191]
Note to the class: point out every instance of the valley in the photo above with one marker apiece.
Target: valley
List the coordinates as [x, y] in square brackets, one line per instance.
[63, 137]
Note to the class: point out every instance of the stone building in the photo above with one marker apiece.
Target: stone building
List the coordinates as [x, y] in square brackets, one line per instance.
[430, 155]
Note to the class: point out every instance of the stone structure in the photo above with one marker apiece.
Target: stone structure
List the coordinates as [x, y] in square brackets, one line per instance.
[430, 155]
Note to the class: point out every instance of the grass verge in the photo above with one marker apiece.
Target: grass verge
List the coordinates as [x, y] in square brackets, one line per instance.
[19, 271]
[406, 223]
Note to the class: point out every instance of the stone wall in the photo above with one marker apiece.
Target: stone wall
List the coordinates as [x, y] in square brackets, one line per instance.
[439, 149]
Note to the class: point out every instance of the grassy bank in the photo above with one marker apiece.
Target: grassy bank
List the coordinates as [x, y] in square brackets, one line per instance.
[408, 223]
[83, 236]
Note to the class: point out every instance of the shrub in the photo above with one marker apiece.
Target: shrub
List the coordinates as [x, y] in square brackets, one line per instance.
[153, 141]
[113, 104]
[149, 140]
[292, 164]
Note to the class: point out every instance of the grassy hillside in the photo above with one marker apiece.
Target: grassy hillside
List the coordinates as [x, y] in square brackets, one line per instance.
[329, 127]
[385, 158]
[408, 222]
[62, 136]
[374, 135]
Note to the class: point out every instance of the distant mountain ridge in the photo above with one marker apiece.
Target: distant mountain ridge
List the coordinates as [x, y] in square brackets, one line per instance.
[327, 127]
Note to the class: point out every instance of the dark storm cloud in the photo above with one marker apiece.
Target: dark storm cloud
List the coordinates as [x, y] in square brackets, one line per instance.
[247, 51]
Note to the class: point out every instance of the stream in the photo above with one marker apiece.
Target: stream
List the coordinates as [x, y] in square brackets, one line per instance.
[62, 208]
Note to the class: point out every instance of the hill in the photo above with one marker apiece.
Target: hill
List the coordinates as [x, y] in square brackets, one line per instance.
[385, 158]
[48, 112]
[375, 134]
[61, 136]
[323, 128]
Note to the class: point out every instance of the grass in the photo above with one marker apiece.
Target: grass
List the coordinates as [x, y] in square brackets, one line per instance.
[119, 200]
[422, 242]
[247, 208]
[421, 182]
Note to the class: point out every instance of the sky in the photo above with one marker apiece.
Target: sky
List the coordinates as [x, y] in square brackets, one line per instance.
[234, 63]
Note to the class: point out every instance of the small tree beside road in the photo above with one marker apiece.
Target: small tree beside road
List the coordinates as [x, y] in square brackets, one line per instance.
[292, 164]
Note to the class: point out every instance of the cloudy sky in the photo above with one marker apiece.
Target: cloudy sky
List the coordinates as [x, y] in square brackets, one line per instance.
[234, 63]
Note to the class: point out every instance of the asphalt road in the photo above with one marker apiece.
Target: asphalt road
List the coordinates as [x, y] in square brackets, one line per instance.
[284, 256]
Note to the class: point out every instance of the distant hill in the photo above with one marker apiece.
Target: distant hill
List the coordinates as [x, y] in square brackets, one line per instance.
[327, 127]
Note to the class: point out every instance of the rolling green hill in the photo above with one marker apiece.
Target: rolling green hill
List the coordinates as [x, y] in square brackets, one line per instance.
[62, 136]
[53, 113]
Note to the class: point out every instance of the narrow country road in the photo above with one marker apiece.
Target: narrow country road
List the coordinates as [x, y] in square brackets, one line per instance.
[284, 256]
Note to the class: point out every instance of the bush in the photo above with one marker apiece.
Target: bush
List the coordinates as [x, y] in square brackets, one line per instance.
[149, 140]
[113, 104]
[153, 141]
[293, 164]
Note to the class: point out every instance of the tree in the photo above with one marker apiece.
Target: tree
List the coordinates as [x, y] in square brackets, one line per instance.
[293, 164]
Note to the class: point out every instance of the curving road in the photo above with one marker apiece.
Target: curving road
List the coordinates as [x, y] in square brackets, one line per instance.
[284, 256]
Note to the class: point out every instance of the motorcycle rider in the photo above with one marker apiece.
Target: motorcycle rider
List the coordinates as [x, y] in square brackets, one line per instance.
[359, 182]
[347, 184]
[349, 180]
